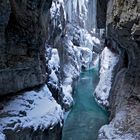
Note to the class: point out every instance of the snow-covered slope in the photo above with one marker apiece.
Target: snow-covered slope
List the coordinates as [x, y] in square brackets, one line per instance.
[108, 132]
[35, 109]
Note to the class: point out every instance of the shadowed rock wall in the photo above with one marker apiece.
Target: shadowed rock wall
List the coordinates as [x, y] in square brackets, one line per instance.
[123, 30]
[101, 13]
[22, 57]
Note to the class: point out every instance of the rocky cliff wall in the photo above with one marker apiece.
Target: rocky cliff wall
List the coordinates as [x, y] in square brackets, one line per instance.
[24, 28]
[22, 57]
[123, 32]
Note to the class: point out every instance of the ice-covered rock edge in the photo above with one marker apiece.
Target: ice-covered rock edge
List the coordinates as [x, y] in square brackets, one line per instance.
[108, 61]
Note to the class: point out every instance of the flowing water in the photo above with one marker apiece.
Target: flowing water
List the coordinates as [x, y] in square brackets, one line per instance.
[86, 116]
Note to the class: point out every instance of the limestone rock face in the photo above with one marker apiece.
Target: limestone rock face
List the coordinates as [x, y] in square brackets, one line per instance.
[21, 44]
[123, 31]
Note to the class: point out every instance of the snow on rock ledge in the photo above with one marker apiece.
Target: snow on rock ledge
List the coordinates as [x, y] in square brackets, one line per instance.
[124, 126]
[108, 62]
[34, 109]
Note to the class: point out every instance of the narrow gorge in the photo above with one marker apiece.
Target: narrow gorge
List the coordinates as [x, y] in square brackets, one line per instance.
[69, 69]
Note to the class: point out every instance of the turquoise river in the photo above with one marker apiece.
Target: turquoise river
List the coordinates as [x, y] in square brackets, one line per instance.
[86, 117]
